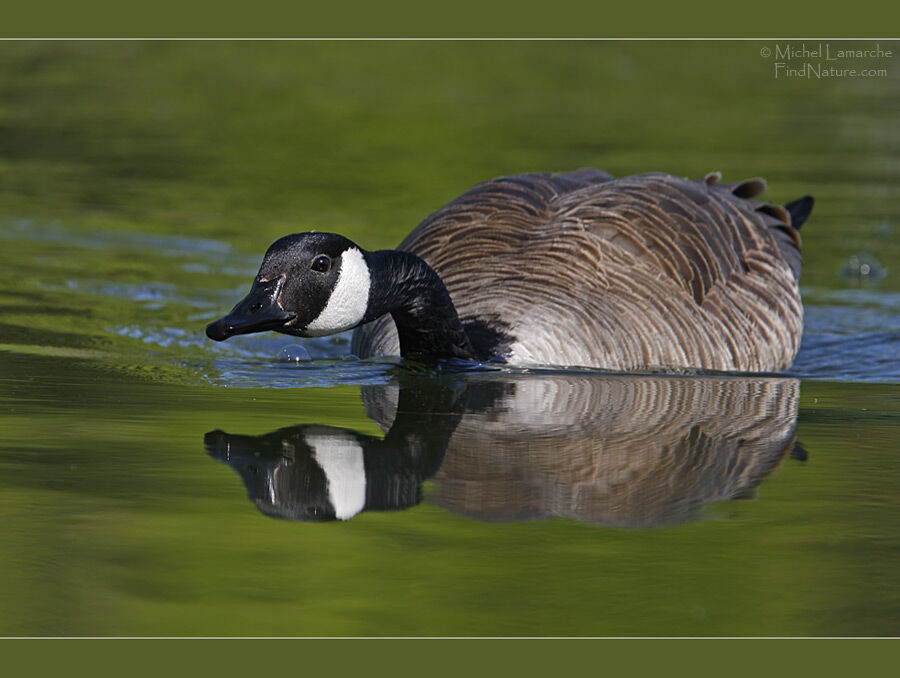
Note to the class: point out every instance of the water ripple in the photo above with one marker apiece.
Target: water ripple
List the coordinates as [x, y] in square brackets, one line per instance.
[851, 335]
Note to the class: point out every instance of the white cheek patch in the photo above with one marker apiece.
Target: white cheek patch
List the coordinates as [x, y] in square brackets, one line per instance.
[349, 299]
[342, 461]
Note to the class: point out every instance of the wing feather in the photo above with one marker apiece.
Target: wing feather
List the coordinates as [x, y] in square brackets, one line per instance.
[642, 271]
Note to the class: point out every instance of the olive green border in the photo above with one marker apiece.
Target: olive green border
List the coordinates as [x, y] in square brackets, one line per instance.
[425, 657]
[460, 18]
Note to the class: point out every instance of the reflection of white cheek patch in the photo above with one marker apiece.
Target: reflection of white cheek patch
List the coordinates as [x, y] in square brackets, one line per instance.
[342, 461]
[349, 299]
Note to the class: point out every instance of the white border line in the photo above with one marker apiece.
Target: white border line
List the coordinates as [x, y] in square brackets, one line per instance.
[466, 39]
[469, 39]
[450, 637]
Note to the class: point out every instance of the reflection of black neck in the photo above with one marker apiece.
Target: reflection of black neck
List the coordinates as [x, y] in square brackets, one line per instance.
[427, 414]
[410, 290]
[283, 477]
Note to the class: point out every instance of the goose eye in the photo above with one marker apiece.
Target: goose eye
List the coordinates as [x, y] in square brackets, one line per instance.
[321, 264]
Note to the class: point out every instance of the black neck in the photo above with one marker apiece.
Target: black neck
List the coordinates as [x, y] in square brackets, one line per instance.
[409, 289]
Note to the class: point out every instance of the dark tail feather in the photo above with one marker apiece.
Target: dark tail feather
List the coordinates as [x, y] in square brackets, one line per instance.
[799, 210]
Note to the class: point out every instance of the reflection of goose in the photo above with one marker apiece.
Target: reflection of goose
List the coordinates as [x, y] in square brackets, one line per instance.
[628, 451]
[321, 473]
[619, 451]
[556, 269]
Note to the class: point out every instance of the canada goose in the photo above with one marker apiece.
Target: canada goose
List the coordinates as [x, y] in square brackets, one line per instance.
[575, 269]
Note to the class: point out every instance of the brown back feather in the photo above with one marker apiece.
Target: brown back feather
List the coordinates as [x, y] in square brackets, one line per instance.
[640, 271]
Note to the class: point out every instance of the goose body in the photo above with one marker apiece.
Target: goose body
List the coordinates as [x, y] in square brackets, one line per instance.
[570, 269]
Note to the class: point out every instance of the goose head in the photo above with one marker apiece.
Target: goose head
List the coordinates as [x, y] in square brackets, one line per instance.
[309, 285]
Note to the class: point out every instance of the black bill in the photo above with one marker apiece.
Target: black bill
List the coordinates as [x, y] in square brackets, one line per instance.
[257, 312]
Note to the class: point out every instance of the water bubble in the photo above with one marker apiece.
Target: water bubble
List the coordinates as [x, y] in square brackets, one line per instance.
[863, 267]
[294, 353]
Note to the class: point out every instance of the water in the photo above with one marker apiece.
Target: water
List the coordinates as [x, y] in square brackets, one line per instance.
[154, 482]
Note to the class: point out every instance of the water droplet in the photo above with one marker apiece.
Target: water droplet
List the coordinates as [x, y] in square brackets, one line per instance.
[294, 353]
[863, 267]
